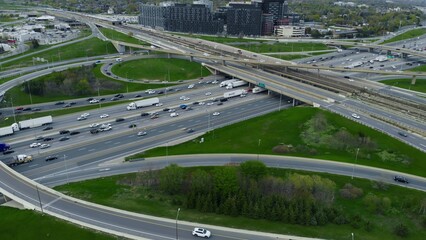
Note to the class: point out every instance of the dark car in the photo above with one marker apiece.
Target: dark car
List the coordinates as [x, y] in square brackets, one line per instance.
[221, 103]
[8, 152]
[403, 134]
[60, 103]
[74, 132]
[27, 109]
[119, 119]
[166, 109]
[64, 131]
[190, 130]
[223, 99]
[67, 105]
[138, 95]
[94, 131]
[89, 99]
[132, 125]
[119, 95]
[101, 99]
[73, 103]
[160, 92]
[64, 138]
[400, 179]
[144, 114]
[50, 158]
[19, 108]
[36, 109]
[46, 139]
[47, 128]
[195, 103]
[39, 138]
[114, 98]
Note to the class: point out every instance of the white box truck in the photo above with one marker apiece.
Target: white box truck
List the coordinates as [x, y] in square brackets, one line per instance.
[6, 131]
[32, 123]
[236, 84]
[258, 90]
[226, 82]
[234, 93]
[143, 103]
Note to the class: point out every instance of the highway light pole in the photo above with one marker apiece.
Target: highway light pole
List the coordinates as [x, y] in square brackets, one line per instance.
[66, 168]
[356, 158]
[177, 216]
[39, 199]
[258, 148]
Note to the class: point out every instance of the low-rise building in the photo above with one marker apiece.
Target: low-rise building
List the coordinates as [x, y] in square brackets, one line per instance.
[289, 31]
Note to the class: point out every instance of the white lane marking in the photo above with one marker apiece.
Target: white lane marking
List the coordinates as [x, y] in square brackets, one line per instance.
[91, 150]
[104, 169]
[116, 143]
[53, 201]
[81, 149]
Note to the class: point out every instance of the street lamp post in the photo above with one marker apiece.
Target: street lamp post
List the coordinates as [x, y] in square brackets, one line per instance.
[352, 236]
[258, 148]
[66, 168]
[39, 199]
[356, 158]
[177, 216]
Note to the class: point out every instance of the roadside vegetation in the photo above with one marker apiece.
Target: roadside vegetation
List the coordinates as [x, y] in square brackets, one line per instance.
[38, 226]
[282, 47]
[420, 85]
[224, 40]
[87, 48]
[421, 68]
[407, 35]
[161, 69]
[251, 196]
[305, 132]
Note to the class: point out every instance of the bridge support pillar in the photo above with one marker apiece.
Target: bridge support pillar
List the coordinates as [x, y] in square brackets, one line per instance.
[413, 80]
[121, 48]
[285, 69]
[404, 55]
[294, 102]
[371, 49]
[223, 63]
[169, 55]
[191, 58]
[389, 52]
[318, 72]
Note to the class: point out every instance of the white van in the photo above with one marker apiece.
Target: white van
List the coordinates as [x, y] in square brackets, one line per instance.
[118, 60]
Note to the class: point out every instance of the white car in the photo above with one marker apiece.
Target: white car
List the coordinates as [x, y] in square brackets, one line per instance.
[216, 113]
[148, 90]
[43, 146]
[106, 128]
[151, 92]
[191, 86]
[174, 114]
[201, 103]
[93, 125]
[201, 232]
[94, 101]
[182, 97]
[85, 115]
[210, 103]
[354, 115]
[33, 145]
[81, 118]
[186, 99]
[215, 82]
[105, 125]
[208, 93]
[172, 110]
[104, 116]
[158, 104]
[141, 133]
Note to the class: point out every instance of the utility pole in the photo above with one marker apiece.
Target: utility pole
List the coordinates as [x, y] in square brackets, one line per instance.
[177, 216]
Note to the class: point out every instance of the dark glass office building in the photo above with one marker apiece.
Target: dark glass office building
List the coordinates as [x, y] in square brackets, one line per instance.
[244, 19]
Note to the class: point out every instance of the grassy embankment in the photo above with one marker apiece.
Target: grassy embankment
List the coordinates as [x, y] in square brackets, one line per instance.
[118, 36]
[38, 226]
[420, 85]
[87, 48]
[407, 35]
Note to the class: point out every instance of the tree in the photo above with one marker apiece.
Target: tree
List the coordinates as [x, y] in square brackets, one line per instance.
[171, 179]
[401, 230]
[225, 179]
[201, 182]
[253, 169]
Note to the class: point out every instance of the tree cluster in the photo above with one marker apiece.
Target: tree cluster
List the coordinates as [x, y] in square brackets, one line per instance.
[248, 191]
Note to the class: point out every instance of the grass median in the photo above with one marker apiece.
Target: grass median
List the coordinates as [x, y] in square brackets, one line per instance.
[162, 69]
[420, 85]
[118, 36]
[305, 132]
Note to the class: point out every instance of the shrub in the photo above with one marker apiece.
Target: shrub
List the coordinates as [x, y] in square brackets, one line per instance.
[350, 192]
[401, 230]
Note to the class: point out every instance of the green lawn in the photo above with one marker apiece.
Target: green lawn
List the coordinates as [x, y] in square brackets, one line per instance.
[118, 36]
[162, 69]
[88, 48]
[407, 35]
[22, 98]
[224, 40]
[420, 85]
[289, 57]
[26, 224]
[421, 68]
[284, 127]
[116, 192]
[283, 47]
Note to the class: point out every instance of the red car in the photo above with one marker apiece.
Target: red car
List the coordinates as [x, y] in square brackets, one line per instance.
[19, 108]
